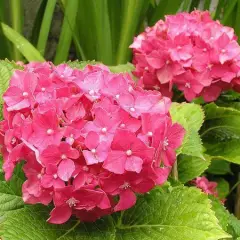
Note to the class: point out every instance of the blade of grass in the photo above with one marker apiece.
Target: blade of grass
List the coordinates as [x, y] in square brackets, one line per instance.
[237, 21]
[16, 15]
[45, 26]
[186, 5]
[68, 25]
[228, 10]
[114, 8]
[78, 47]
[219, 9]
[22, 44]
[131, 12]
[194, 4]
[103, 32]
[5, 51]
[86, 34]
[207, 4]
[38, 22]
[165, 7]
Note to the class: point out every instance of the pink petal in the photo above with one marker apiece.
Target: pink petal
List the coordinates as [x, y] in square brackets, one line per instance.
[134, 164]
[60, 215]
[89, 157]
[127, 200]
[66, 169]
[115, 162]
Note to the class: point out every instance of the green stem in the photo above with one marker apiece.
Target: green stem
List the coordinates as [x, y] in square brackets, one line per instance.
[45, 26]
[237, 203]
[175, 171]
[17, 22]
[234, 187]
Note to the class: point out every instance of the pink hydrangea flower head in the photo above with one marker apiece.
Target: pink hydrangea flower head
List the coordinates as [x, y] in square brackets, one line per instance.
[190, 51]
[91, 140]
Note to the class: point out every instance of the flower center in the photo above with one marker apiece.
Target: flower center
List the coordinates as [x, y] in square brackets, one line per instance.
[204, 50]
[165, 143]
[43, 89]
[130, 88]
[63, 156]
[125, 185]
[39, 176]
[50, 131]
[129, 152]
[91, 92]
[85, 168]
[223, 51]
[25, 94]
[104, 130]
[179, 47]
[93, 150]
[132, 109]
[13, 141]
[122, 125]
[72, 202]
[117, 96]
[187, 85]
[167, 62]
[150, 134]
[55, 176]
[209, 66]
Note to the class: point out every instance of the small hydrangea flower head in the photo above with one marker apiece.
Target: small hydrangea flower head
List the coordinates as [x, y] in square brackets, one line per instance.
[189, 51]
[90, 140]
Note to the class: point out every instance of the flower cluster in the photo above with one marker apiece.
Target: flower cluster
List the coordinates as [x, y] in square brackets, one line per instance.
[199, 56]
[90, 139]
[206, 186]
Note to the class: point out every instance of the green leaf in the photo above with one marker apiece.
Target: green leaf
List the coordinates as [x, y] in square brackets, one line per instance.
[222, 188]
[122, 68]
[65, 40]
[191, 117]
[182, 213]
[45, 25]
[165, 7]
[221, 132]
[22, 44]
[234, 227]
[219, 167]
[221, 212]
[131, 11]
[6, 70]
[190, 167]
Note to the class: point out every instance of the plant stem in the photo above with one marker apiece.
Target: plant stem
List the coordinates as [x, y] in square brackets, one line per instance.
[237, 204]
[175, 171]
[17, 22]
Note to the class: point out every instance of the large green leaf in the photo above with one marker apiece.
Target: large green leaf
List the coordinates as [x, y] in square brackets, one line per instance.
[190, 167]
[182, 214]
[191, 117]
[219, 167]
[22, 44]
[221, 132]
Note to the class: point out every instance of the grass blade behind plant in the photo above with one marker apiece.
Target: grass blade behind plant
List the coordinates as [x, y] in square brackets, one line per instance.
[194, 4]
[131, 11]
[45, 26]
[207, 4]
[228, 10]
[38, 22]
[165, 7]
[5, 44]
[103, 32]
[68, 25]
[219, 10]
[16, 16]
[22, 44]
[237, 21]
[114, 10]
[186, 5]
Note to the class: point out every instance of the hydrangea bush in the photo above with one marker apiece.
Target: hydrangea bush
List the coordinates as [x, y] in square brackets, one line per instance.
[110, 155]
[190, 51]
